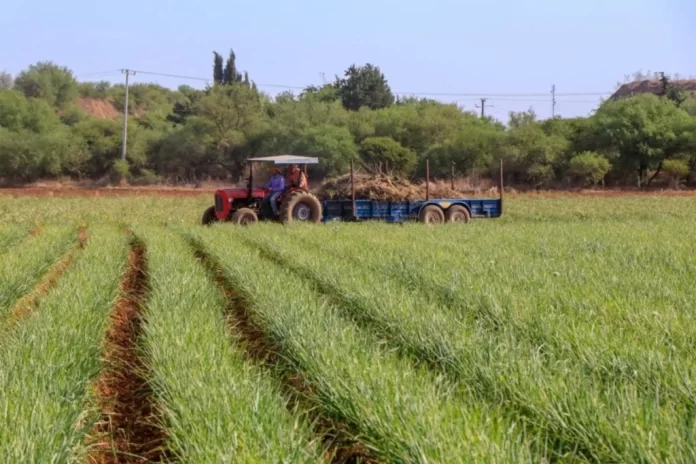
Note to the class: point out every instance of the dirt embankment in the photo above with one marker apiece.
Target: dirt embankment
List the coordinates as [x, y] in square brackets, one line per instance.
[105, 192]
[102, 109]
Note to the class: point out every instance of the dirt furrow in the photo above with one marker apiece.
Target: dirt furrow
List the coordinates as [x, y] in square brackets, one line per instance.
[259, 350]
[25, 305]
[127, 431]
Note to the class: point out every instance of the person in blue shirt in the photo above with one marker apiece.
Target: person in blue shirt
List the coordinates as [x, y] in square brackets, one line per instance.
[276, 185]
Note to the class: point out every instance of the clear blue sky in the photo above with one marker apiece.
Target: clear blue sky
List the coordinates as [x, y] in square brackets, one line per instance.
[436, 46]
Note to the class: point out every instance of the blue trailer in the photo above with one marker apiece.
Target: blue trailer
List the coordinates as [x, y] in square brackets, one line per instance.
[428, 211]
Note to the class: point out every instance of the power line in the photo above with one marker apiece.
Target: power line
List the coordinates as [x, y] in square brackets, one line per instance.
[100, 73]
[406, 93]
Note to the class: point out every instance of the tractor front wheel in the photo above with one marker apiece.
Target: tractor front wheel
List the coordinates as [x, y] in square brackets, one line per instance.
[432, 214]
[209, 216]
[244, 217]
[300, 206]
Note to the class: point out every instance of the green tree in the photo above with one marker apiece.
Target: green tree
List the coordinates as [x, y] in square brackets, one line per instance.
[589, 167]
[473, 148]
[645, 130]
[325, 93]
[228, 117]
[333, 145]
[18, 113]
[6, 80]
[385, 155]
[364, 86]
[530, 154]
[218, 73]
[48, 81]
[231, 75]
[670, 91]
[676, 169]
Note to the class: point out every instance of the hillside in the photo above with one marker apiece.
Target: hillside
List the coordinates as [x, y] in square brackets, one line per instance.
[98, 108]
[652, 86]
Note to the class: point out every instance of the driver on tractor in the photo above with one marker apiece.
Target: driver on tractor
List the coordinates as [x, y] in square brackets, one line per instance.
[276, 187]
[296, 178]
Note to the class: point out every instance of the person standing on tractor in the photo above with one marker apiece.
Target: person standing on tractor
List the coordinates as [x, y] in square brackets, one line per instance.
[297, 178]
[276, 186]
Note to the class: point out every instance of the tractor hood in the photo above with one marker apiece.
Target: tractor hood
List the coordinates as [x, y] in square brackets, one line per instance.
[237, 193]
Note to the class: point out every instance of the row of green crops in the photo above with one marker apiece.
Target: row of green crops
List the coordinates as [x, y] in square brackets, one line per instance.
[402, 413]
[605, 384]
[23, 265]
[80, 210]
[11, 235]
[49, 361]
[188, 210]
[215, 406]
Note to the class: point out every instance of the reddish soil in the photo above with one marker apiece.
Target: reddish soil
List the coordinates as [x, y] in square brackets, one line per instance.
[27, 303]
[127, 432]
[104, 192]
[102, 109]
[259, 350]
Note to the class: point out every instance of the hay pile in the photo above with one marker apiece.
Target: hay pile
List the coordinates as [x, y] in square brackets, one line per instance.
[384, 188]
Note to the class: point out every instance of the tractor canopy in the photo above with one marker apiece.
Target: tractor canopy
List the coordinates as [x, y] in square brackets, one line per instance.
[285, 159]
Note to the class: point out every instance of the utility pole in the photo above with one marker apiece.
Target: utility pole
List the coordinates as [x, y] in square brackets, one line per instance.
[553, 100]
[127, 72]
[323, 77]
[483, 107]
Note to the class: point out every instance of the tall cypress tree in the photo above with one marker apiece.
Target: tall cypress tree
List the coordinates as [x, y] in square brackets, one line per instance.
[231, 75]
[218, 75]
[246, 79]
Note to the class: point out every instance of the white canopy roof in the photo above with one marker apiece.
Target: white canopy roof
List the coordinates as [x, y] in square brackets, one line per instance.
[287, 159]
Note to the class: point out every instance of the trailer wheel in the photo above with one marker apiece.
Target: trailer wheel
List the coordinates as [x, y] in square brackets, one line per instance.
[209, 216]
[457, 213]
[244, 217]
[432, 214]
[300, 206]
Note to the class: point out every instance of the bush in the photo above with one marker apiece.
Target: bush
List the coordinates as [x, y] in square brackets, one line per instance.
[677, 169]
[385, 154]
[589, 167]
[121, 170]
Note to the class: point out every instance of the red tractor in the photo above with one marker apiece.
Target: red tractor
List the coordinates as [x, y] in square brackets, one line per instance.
[247, 205]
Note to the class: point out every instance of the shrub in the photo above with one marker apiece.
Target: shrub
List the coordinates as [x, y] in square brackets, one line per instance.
[590, 167]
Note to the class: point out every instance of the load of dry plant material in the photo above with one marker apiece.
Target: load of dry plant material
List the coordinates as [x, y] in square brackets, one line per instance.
[384, 188]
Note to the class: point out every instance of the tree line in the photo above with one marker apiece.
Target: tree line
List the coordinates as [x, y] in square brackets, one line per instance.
[191, 134]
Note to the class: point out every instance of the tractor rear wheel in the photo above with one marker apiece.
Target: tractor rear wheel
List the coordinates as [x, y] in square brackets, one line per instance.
[209, 216]
[244, 217]
[300, 206]
[457, 213]
[432, 214]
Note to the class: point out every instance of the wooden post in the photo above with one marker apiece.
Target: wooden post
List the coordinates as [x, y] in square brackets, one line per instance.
[352, 188]
[501, 187]
[452, 175]
[427, 179]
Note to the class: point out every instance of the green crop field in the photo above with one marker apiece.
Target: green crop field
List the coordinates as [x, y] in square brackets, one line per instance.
[561, 332]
